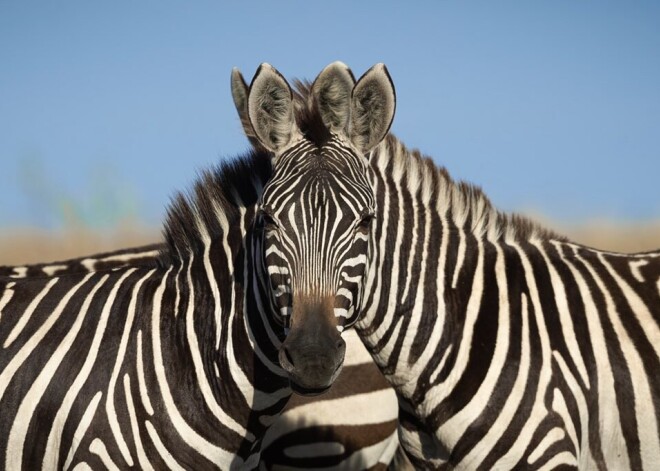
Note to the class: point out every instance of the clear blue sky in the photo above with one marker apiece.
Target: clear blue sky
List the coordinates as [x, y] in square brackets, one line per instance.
[552, 107]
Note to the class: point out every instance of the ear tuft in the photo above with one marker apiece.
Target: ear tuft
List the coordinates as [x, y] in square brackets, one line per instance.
[372, 108]
[332, 95]
[270, 109]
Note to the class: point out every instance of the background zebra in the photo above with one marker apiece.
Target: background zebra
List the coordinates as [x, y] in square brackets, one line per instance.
[145, 257]
[508, 345]
[173, 366]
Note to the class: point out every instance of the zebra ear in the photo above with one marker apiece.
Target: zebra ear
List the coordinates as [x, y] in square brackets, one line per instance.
[239, 92]
[332, 95]
[270, 109]
[372, 108]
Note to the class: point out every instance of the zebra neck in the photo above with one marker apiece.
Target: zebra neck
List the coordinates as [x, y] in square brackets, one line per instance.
[210, 245]
[228, 305]
[215, 320]
[429, 241]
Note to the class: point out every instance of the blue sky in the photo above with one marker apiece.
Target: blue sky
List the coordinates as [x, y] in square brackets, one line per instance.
[107, 108]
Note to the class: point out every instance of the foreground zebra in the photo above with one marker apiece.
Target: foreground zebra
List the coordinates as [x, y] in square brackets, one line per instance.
[508, 346]
[168, 365]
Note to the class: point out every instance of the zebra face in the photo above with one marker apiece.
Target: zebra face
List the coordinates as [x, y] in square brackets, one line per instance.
[316, 213]
[317, 209]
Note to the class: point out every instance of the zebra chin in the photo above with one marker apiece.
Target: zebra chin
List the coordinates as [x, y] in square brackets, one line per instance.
[302, 391]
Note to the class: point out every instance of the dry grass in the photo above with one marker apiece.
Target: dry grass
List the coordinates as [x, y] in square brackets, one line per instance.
[617, 237]
[30, 246]
[22, 246]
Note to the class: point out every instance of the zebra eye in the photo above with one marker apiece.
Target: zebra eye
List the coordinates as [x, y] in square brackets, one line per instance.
[365, 221]
[268, 220]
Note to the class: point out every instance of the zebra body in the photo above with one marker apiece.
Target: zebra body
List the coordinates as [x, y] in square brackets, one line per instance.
[514, 347]
[173, 366]
[353, 427]
[145, 257]
[508, 346]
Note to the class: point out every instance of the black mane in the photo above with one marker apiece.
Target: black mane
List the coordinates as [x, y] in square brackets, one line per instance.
[308, 117]
[224, 188]
[238, 183]
[217, 188]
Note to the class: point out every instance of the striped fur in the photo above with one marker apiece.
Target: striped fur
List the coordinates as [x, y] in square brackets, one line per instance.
[508, 346]
[145, 256]
[340, 420]
[316, 209]
[169, 366]
[513, 347]
[315, 233]
[352, 426]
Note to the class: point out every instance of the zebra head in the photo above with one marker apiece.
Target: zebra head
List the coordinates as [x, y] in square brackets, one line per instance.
[317, 208]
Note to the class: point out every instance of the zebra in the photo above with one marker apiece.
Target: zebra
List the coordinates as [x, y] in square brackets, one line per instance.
[145, 256]
[307, 154]
[509, 346]
[201, 297]
[174, 366]
[336, 429]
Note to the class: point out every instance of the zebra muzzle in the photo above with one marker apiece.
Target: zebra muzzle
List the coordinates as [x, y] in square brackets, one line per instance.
[312, 362]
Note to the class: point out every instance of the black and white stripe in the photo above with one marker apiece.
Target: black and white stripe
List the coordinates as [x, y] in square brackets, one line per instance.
[315, 210]
[171, 366]
[508, 346]
[145, 256]
[352, 426]
[513, 347]
[339, 432]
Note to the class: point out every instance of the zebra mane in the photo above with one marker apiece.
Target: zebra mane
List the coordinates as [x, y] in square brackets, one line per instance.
[223, 191]
[220, 194]
[462, 201]
[465, 204]
[308, 117]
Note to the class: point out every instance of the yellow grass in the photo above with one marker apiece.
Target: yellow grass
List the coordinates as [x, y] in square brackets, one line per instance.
[617, 237]
[23, 246]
